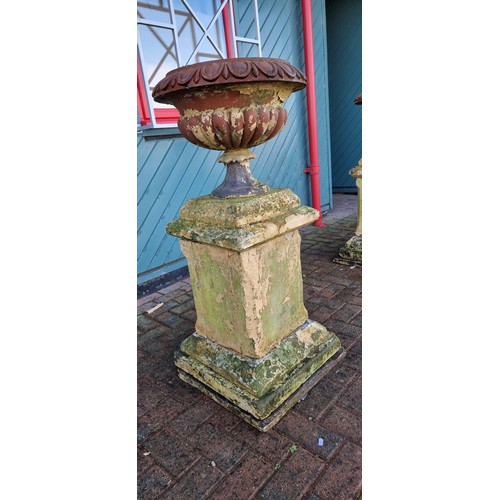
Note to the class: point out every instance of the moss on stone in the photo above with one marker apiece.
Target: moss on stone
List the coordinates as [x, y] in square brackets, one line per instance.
[242, 238]
[353, 249]
[258, 387]
[239, 211]
[257, 377]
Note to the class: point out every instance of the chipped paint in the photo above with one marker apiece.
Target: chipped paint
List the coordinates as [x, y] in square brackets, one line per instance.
[234, 116]
[232, 128]
[305, 337]
[242, 156]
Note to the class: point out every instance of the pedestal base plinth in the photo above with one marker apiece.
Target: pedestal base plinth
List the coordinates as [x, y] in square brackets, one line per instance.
[351, 254]
[260, 390]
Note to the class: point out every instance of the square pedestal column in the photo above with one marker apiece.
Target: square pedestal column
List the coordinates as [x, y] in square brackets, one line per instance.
[254, 350]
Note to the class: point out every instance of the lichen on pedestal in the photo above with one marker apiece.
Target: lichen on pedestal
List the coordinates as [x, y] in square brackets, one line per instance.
[353, 249]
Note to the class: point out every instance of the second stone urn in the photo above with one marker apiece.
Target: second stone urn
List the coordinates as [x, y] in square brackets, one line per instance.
[254, 350]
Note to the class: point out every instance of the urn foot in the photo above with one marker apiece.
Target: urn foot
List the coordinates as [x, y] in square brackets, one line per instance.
[239, 182]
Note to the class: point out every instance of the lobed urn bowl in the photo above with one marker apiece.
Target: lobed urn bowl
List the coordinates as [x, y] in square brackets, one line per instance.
[231, 105]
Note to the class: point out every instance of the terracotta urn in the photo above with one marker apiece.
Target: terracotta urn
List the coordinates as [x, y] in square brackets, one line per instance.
[231, 105]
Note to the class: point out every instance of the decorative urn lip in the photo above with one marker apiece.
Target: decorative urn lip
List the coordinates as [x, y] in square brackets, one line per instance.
[228, 71]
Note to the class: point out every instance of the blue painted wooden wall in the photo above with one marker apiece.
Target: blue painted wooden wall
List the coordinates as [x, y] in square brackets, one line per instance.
[344, 68]
[171, 170]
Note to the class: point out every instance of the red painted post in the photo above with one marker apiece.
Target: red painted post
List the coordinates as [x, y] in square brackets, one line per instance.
[312, 126]
[226, 20]
[142, 104]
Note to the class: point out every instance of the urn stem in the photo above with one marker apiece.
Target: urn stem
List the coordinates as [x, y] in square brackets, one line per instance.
[239, 182]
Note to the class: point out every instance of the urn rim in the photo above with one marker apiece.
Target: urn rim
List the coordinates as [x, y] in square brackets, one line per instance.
[219, 72]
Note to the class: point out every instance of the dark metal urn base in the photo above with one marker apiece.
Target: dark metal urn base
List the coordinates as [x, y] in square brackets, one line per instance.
[239, 182]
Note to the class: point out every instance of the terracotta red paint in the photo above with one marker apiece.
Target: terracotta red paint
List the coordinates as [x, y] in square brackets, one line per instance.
[224, 71]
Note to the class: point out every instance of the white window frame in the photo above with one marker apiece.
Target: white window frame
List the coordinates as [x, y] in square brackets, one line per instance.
[172, 25]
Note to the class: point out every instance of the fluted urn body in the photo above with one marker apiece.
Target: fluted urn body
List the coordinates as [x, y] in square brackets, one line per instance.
[231, 105]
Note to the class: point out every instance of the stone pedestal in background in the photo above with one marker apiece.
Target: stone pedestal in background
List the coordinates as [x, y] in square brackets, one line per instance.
[351, 253]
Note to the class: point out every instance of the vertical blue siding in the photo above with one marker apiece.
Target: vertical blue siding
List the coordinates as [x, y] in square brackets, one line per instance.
[172, 170]
[344, 68]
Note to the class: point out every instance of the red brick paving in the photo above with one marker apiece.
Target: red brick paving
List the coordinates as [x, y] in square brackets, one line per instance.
[271, 445]
[153, 482]
[317, 401]
[343, 422]
[308, 433]
[197, 483]
[294, 477]
[342, 477]
[191, 448]
[246, 479]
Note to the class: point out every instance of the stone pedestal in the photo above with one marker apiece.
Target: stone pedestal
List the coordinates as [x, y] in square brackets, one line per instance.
[254, 350]
[352, 252]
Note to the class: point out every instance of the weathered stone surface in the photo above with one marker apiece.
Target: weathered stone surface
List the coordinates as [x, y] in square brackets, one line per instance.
[242, 238]
[247, 301]
[260, 387]
[257, 377]
[273, 418]
[353, 249]
[239, 212]
[357, 173]
[351, 253]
